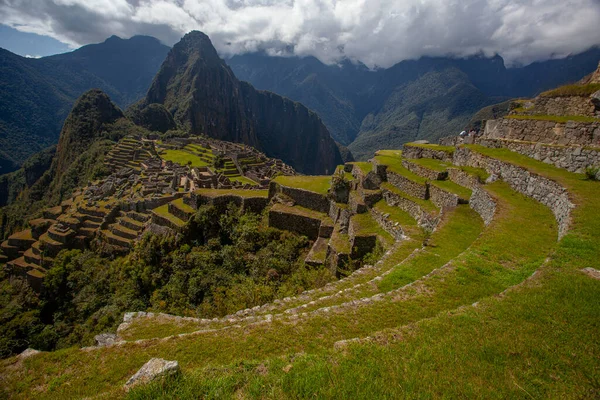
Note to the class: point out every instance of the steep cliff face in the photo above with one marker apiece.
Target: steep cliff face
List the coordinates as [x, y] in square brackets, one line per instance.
[205, 97]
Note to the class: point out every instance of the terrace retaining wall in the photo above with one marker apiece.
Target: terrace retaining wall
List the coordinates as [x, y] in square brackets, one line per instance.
[544, 190]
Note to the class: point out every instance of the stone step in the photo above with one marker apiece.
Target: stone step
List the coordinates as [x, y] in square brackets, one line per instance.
[21, 240]
[120, 230]
[52, 213]
[88, 218]
[61, 237]
[90, 224]
[32, 258]
[11, 252]
[115, 240]
[140, 217]
[36, 248]
[87, 232]
[423, 171]
[318, 253]
[131, 224]
[49, 245]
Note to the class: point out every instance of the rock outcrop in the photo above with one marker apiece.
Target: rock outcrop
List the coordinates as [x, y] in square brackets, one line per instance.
[205, 97]
[153, 369]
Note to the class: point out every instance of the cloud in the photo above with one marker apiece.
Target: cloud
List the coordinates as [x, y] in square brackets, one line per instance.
[375, 32]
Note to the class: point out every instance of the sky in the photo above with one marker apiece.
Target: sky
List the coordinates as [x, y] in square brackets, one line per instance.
[378, 33]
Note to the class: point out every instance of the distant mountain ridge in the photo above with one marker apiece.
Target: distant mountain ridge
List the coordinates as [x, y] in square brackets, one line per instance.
[414, 99]
[204, 96]
[36, 95]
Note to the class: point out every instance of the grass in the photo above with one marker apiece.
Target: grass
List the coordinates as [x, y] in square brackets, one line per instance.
[232, 192]
[365, 225]
[396, 214]
[394, 164]
[449, 186]
[447, 149]
[243, 180]
[183, 157]
[365, 167]
[555, 118]
[573, 90]
[304, 212]
[317, 184]
[182, 206]
[426, 205]
[435, 165]
[480, 173]
[163, 211]
[538, 340]
[340, 242]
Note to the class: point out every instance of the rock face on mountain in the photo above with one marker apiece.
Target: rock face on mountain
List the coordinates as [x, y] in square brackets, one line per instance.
[205, 97]
[154, 117]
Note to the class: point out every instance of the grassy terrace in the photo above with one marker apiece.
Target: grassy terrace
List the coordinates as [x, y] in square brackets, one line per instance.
[304, 212]
[182, 206]
[555, 118]
[347, 175]
[183, 157]
[365, 225]
[539, 340]
[449, 186]
[573, 90]
[394, 164]
[430, 146]
[317, 184]
[481, 173]
[209, 369]
[232, 192]
[396, 214]
[243, 180]
[435, 165]
[163, 211]
[365, 167]
[340, 242]
[426, 205]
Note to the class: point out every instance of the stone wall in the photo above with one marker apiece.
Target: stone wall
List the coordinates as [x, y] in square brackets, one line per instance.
[574, 159]
[483, 204]
[391, 227]
[428, 221]
[409, 151]
[304, 198]
[463, 178]
[371, 180]
[441, 198]
[300, 224]
[572, 105]
[251, 204]
[424, 172]
[544, 190]
[568, 134]
[340, 215]
[412, 188]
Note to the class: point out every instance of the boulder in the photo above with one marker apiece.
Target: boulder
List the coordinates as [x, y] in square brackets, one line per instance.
[595, 98]
[153, 369]
[28, 353]
[106, 339]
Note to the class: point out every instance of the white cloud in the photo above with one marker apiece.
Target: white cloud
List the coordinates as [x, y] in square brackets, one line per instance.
[376, 32]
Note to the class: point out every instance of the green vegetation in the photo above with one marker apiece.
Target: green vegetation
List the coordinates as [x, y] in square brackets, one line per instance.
[163, 211]
[365, 167]
[480, 173]
[555, 118]
[573, 90]
[364, 224]
[426, 205]
[394, 164]
[396, 214]
[221, 263]
[431, 146]
[183, 157]
[243, 180]
[233, 192]
[436, 165]
[317, 184]
[449, 186]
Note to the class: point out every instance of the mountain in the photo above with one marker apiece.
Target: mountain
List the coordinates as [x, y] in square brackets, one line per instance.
[37, 94]
[204, 96]
[414, 99]
[90, 130]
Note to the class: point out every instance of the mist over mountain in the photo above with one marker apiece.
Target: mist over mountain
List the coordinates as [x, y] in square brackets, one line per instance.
[36, 95]
[418, 99]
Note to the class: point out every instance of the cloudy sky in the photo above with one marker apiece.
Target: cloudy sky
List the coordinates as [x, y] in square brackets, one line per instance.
[376, 32]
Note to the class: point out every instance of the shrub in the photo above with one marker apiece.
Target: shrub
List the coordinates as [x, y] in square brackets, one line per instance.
[592, 173]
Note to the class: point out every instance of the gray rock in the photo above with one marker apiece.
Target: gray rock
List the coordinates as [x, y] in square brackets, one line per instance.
[106, 339]
[155, 368]
[595, 98]
[28, 353]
